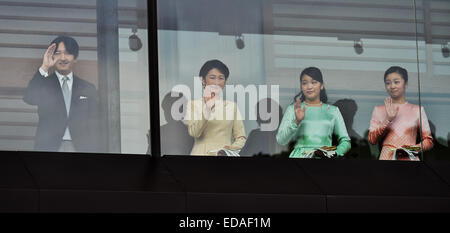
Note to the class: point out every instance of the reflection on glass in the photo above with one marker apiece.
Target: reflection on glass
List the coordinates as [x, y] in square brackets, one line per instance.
[268, 112]
[177, 140]
[395, 124]
[359, 146]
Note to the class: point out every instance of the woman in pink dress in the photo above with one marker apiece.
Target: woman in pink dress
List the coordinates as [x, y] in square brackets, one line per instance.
[396, 122]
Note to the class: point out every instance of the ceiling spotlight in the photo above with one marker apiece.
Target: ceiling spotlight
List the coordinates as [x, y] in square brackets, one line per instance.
[240, 42]
[445, 50]
[358, 46]
[134, 41]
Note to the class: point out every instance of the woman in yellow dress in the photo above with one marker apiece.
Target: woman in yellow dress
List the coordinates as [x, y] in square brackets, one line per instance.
[212, 121]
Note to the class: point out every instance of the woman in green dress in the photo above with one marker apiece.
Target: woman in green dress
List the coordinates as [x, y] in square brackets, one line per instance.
[310, 121]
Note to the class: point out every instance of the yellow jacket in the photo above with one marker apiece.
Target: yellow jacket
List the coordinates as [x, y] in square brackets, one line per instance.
[212, 131]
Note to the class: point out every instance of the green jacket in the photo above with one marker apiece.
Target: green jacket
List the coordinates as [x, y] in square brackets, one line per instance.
[315, 130]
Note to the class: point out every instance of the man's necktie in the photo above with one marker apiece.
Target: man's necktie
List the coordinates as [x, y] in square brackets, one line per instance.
[66, 93]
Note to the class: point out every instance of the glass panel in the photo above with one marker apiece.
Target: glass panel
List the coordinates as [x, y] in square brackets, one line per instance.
[134, 81]
[435, 78]
[266, 45]
[103, 105]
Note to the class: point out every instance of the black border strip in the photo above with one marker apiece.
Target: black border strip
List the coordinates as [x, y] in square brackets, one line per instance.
[155, 135]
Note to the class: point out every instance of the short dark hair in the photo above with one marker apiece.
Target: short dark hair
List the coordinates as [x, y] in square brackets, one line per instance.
[399, 70]
[315, 74]
[211, 64]
[70, 44]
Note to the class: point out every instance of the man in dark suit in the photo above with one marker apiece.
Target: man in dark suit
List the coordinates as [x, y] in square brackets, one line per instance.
[67, 105]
